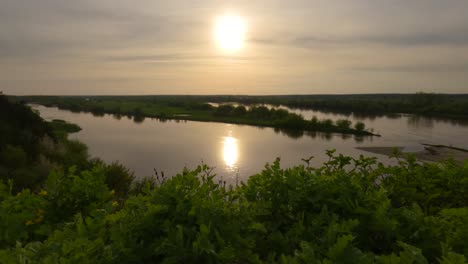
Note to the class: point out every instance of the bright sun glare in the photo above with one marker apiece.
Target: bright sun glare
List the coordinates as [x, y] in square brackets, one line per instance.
[230, 151]
[230, 32]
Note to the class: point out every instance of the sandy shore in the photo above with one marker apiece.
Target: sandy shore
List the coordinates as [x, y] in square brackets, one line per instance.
[430, 153]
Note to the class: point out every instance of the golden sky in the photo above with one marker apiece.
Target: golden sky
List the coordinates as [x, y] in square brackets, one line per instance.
[291, 47]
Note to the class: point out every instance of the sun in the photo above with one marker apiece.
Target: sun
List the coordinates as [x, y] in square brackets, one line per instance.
[230, 32]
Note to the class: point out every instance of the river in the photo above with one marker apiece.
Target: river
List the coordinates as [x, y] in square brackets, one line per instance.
[238, 151]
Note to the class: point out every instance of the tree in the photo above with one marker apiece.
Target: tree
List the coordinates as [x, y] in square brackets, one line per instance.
[360, 126]
[343, 123]
[327, 123]
[224, 110]
[240, 110]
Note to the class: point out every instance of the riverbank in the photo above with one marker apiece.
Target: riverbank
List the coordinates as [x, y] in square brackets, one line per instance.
[433, 153]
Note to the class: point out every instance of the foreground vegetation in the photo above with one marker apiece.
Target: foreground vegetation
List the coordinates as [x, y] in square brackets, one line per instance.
[190, 108]
[346, 211]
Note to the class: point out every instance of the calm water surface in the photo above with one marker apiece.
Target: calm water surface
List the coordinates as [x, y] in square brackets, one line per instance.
[237, 150]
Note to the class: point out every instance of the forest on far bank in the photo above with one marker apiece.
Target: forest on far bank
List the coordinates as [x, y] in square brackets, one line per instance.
[427, 104]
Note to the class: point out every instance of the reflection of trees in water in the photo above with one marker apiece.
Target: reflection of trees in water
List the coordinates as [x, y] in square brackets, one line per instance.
[138, 119]
[291, 133]
[454, 122]
[363, 117]
[393, 116]
[326, 136]
[372, 117]
[428, 121]
[342, 113]
[418, 121]
[360, 139]
[346, 136]
[297, 134]
[165, 120]
[73, 110]
[117, 116]
[98, 114]
[312, 134]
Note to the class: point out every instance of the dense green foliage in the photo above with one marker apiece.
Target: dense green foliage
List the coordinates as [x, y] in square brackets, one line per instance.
[21, 127]
[22, 136]
[192, 108]
[346, 211]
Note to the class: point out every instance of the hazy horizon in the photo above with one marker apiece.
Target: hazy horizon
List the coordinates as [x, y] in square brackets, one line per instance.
[120, 47]
[237, 95]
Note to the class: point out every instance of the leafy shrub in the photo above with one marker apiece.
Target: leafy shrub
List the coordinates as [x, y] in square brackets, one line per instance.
[70, 192]
[20, 218]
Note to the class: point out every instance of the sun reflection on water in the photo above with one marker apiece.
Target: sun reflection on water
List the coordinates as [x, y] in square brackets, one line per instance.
[230, 152]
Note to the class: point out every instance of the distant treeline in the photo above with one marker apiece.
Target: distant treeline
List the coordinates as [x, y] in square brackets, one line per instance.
[197, 109]
[429, 104]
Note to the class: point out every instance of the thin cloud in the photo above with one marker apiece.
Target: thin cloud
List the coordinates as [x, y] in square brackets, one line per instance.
[418, 68]
[173, 57]
[454, 38]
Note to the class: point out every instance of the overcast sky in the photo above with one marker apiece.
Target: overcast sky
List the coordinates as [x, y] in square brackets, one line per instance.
[292, 47]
